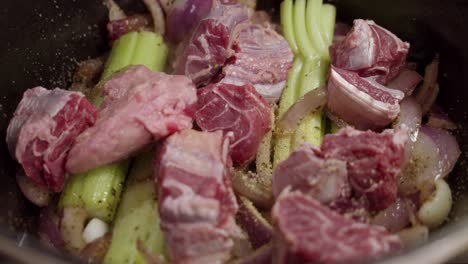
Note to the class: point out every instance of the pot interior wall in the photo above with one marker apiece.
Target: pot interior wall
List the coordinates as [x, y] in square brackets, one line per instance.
[43, 40]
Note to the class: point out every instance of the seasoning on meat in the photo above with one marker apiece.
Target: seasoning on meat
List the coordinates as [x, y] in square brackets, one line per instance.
[206, 51]
[370, 50]
[368, 162]
[139, 106]
[308, 171]
[312, 233]
[374, 161]
[237, 109]
[196, 201]
[43, 129]
[262, 58]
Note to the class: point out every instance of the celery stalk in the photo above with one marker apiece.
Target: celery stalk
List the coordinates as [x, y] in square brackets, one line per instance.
[282, 146]
[288, 24]
[99, 189]
[313, 27]
[150, 51]
[137, 217]
[327, 22]
[302, 38]
[313, 22]
[121, 54]
[311, 128]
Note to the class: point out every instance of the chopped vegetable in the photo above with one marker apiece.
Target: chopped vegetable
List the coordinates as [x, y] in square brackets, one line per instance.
[135, 48]
[282, 146]
[138, 217]
[312, 32]
[288, 24]
[97, 190]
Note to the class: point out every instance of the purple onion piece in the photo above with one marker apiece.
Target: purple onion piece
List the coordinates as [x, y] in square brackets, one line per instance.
[434, 155]
[410, 118]
[48, 228]
[448, 148]
[427, 93]
[38, 195]
[184, 16]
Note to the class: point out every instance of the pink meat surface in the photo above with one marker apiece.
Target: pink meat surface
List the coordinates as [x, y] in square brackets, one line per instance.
[237, 109]
[308, 171]
[362, 102]
[206, 51]
[43, 129]
[196, 201]
[374, 162]
[263, 58]
[370, 50]
[312, 233]
[139, 106]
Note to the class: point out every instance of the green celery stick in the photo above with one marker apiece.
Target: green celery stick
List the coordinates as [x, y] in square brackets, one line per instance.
[300, 29]
[311, 128]
[137, 217]
[313, 23]
[288, 24]
[327, 22]
[97, 190]
[282, 146]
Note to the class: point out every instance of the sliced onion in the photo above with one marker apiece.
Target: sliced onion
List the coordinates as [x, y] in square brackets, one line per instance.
[429, 90]
[156, 11]
[95, 251]
[439, 119]
[340, 123]
[410, 118]
[395, 217]
[115, 12]
[309, 102]
[406, 81]
[258, 229]
[48, 228]
[184, 16]
[434, 156]
[38, 195]
[414, 236]
[448, 149]
[72, 223]
[257, 188]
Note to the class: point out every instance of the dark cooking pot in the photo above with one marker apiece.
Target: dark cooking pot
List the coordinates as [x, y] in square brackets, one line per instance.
[43, 40]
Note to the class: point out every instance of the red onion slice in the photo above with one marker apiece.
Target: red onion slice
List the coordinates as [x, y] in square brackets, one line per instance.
[72, 223]
[115, 12]
[38, 195]
[429, 90]
[437, 118]
[48, 228]
[410, 118]
[309, 102]
[395, 217]
[448, 148]
[184, 16]
[406, 81]
[434, 155]
[95, 251]
[156, 11]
